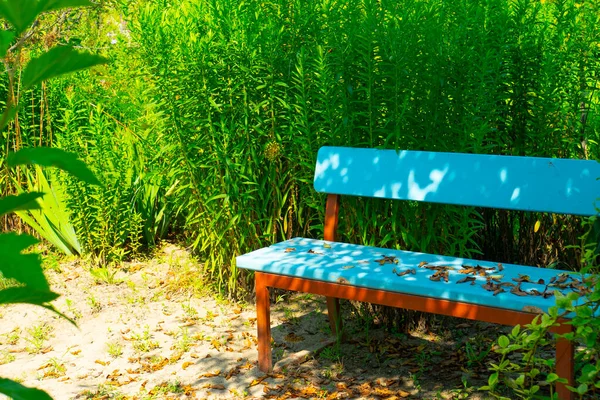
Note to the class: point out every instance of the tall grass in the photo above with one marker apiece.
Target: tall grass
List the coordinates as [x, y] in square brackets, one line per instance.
[207, 123]
[254, 89]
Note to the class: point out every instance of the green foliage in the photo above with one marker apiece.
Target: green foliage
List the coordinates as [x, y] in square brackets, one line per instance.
[252, 90]
[17, 391]
[21, 14]
[50, 219]
[54, 158]
[25, 269]
[57, 61]
[206, 125]
[523, 370]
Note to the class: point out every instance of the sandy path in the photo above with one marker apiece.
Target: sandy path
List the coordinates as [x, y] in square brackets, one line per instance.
[141, 339]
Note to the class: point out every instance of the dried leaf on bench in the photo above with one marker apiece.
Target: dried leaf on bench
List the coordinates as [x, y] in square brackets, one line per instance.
[438, 275]
[517, 290]
[343, 281]
[490, 286]
[477, 270]
[500, 267]
[348, 267]
[326, 245]
[533, 309]
[290, 249]
[405, 272]
[311, 251]
[387, 260]
[522, 278]
[471, 279]
[499, 290]
[422, 263]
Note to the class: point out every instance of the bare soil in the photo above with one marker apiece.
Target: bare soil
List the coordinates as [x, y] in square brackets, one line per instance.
[138, 337]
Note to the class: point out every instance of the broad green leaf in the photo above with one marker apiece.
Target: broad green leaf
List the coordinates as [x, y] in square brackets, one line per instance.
[24, 294]
[25, 201]
[588, 373]
[551, 377]
[58, 61]
[6, 38]
[50, 157]
[582, 389]
[516, 330]
[48, 5]
[25, 268]
[17, 391]
[584, 311]
[51, 221]
[493, 379]
[21, 13]
[503, 341]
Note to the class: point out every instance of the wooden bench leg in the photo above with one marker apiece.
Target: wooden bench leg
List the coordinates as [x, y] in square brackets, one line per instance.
[565, 367]
[263, 323]
[335, 317]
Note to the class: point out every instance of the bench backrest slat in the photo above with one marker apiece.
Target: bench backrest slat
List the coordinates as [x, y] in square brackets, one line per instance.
[562, 186]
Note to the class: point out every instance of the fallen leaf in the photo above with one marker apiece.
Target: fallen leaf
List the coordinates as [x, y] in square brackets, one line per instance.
[258, 381]
[211, 374]
[213, 386]
[466, 279]
[102, 362]
[533, 309]
[186, 365]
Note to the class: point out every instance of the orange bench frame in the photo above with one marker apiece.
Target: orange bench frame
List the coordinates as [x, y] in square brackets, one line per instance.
[335, 291]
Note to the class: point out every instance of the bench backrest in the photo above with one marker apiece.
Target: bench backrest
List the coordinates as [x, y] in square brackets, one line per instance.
[562, 186]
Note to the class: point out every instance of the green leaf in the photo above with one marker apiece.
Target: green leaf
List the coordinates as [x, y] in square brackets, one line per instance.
[25, 201]
[516, 330]
[584, 311]
[50, 157]
[503, 341]
[551, 377]
[25, 268]
[49, 5]
[588, 373]
[493, 379]
[57, 61]
[17, 391]
[21, 13]
[6, 38]
[582, 389]
[25, 294]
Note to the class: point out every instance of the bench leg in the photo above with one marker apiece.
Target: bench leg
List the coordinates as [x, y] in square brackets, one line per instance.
[565, 366]
[263, 322]
[335, 317]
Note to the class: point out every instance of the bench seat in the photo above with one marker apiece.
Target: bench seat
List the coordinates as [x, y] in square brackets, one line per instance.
[357, 265]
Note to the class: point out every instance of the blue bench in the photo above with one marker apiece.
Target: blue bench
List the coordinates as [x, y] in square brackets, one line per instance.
[465, 288]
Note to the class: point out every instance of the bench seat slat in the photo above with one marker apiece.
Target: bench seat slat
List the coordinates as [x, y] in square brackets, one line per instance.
[332, 262]
[562, 186]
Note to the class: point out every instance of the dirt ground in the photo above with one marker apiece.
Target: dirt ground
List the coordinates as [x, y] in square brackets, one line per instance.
[137, 337]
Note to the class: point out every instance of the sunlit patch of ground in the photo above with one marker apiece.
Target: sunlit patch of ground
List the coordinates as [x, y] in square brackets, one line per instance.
[139, 337]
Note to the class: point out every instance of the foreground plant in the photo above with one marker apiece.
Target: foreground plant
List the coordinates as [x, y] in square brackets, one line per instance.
[24, 269]
[532, 374]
